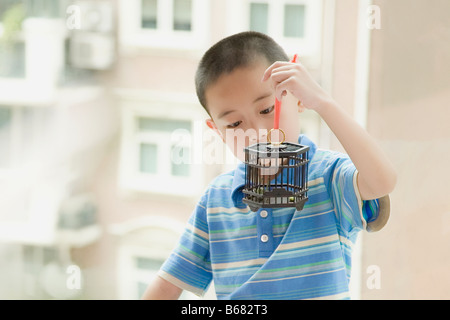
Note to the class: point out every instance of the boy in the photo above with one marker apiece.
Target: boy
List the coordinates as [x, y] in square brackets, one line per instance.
[276, 253]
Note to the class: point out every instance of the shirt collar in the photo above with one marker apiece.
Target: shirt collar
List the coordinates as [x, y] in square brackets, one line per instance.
[239, 174]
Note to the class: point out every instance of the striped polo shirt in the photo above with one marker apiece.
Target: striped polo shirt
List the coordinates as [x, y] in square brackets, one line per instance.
[278, 253]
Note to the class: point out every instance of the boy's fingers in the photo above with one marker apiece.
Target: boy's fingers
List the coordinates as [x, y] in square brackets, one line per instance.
[281, 74]
[281, 90]
[274, 66]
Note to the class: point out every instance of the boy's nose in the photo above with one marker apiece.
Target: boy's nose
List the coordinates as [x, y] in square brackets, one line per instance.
[256, 131]
[259, 135]
[262, 135]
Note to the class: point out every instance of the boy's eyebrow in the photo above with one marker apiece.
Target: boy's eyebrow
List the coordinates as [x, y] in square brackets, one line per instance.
[223, 114]
[265, 95]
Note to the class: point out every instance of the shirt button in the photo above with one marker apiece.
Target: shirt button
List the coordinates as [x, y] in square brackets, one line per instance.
[264, 238]
[263, 214]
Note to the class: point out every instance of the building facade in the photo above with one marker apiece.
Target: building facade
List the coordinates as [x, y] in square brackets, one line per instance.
[104, 151]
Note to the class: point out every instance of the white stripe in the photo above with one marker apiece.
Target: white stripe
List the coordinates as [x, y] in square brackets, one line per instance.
[239, 264]
[197, 231]
[233, 239]
[312, 215]
[180, 284]
[306, 243]
[346, 241]
[315, 182]
[227, 210]
[189, 261]
[299, 276]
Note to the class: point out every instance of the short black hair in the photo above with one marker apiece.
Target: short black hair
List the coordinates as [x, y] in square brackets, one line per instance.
[235, 51]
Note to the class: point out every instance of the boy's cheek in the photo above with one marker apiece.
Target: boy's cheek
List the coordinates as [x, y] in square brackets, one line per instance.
[237, 149]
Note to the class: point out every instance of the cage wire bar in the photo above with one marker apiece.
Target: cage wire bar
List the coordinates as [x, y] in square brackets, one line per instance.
[276, 176]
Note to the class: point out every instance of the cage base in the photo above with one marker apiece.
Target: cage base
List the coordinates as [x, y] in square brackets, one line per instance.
[282, 203]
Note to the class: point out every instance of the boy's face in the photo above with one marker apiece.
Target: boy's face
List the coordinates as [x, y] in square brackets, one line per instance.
[242, 109]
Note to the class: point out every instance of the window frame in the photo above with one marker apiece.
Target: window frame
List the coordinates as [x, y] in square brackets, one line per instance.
[169, 107]
[132, 246]
[132, 34]
[308, 46]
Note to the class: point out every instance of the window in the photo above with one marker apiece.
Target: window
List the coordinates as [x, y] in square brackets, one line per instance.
[12, 48]
[23, 131]
[295, 24]
[145, 269]
[149, 14]
[12, 59]
[175, 24]
[182, 15]
[148, 155]
[173, 150]
[143, 246]
[5, 136]
[179, 12]
[37, 8]
[259, 17]
[161, 141]
[294, 21]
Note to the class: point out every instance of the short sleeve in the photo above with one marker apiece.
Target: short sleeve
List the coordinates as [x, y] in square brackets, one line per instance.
[189, 266]
[353, 213]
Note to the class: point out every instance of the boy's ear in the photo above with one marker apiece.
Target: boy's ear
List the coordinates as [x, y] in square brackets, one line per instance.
[210, 123]
[300, 106]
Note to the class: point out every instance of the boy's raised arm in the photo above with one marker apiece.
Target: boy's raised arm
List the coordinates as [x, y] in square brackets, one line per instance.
[160, 289]
[376, 175]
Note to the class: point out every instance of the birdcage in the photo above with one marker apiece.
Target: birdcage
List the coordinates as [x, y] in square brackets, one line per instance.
[276, 175]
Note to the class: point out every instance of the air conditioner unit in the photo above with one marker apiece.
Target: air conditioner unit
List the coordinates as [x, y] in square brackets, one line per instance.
[92, 45]
[77, 212]
[95, 16]
[90, 50]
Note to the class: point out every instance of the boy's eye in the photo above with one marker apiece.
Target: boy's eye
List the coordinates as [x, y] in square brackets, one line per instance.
[268, 110]
[234, 125]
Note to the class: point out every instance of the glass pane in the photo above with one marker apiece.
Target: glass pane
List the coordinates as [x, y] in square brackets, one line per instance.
[12, 59]
[5, 136]
[148, 263]
[164, 125]
[180, 161]
[149, 14]
[12, 11]
[148, 158]
[5, 117]
[141, 287]
[259, 13]
[294, 21]
[182, 15]
[44, 8]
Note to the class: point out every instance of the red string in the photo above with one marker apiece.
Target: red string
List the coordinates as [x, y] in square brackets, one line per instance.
[276, 117]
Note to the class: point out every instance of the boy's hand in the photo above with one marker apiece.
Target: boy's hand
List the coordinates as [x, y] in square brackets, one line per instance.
[293, 77]
[376, 175]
